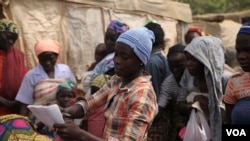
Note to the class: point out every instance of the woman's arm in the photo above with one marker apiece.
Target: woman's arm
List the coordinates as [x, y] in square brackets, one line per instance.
[184, 108]
[7, 103]
[76, 110]
[72, 132]
[23, 109]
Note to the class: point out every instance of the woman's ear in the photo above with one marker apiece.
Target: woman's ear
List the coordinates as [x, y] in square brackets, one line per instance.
[164, 43]
[141, 65]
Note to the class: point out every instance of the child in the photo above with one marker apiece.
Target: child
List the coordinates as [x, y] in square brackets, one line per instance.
[66, 92]
[100, 53]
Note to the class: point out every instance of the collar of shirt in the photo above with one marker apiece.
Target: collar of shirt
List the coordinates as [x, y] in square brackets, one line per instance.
[144, 78]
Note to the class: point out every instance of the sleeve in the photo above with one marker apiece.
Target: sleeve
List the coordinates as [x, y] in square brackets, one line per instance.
[143, 108]
[95, 101]
[229, 96]
[98, 99]
[182, 94]
[164, 93]
[153, 70]
[25, 93]
[71, 75]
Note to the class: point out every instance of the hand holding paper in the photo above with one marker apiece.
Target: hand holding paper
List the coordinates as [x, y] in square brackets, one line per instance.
[48, 115]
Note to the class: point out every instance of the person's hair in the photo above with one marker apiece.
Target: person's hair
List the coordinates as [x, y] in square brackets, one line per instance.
[158, 32]
[100, 45]
[177, 48]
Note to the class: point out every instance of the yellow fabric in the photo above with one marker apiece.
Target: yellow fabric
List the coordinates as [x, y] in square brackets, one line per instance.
[99, 80]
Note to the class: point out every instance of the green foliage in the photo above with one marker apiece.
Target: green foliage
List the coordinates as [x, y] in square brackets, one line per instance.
[216, 6]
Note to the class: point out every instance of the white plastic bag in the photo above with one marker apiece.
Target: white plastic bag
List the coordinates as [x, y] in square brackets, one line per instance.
[197, 128]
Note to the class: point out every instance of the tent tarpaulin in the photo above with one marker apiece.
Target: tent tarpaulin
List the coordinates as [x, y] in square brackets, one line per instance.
[164, 8]
[218, 17]
[79, 25]
[225, 30]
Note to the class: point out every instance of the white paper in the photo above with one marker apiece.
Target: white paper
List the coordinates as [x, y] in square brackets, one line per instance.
[48, 115]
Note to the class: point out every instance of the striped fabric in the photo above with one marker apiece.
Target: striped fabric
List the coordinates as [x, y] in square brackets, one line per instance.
[129, 111]
[237, 88]
[45, 91]
[169, 89]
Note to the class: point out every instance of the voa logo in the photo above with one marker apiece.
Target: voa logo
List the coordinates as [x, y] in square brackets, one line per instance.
[236, 132]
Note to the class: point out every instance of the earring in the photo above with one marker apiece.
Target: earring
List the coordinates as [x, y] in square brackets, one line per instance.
[141, 64]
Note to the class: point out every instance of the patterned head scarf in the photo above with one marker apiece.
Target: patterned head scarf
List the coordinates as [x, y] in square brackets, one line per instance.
[47, 45]
[8, 25]
[118, 26]
[140, 39]
[210, 52]
[245, 28]
[99, 80]
[67, 84]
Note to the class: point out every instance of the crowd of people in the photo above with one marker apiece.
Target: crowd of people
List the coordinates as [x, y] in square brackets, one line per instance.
[132, 91]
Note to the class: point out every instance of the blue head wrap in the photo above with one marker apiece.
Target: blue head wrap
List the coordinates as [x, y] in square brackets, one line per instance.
[140, 39]
[245, 28]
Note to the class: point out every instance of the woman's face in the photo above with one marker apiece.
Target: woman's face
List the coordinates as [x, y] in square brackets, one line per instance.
[64, 96]
[243, 51]
[127, 64]
[48, 60]
[7, 39]
[177, 64]
[194, 66]
[110, 40]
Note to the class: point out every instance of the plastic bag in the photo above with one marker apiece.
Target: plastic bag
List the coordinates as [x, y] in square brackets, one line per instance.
[197, 128]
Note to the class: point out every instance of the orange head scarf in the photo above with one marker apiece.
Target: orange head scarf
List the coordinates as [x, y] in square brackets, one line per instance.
[47, 45]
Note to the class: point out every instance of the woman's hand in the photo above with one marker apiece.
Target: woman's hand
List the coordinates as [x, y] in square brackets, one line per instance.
[68, 131]
[75, 111]
[202, 100]
[72, 132]
[8, 103]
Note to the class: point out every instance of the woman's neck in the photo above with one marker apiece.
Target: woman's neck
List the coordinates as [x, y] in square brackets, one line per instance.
[127, 80]
[200, 77]
[51, 74]
[200, 82]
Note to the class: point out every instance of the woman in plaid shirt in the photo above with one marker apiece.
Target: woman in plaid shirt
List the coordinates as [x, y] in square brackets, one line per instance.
[129, 98]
